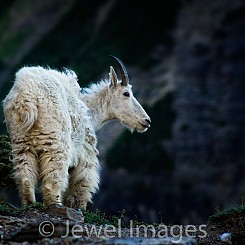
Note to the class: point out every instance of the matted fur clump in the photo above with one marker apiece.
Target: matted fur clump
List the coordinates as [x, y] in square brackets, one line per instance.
[52, 127]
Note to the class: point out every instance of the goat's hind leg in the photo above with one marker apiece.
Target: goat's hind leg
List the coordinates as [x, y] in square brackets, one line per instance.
[26, 175]
[54, 174]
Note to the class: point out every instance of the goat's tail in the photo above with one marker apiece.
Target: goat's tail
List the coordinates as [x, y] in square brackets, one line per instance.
[27, 115]
[20, 115]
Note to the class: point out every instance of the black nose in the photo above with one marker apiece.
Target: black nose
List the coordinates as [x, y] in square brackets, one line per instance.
[148, 120]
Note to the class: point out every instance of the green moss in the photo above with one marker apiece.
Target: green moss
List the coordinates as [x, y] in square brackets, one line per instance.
[99, 218]
[234, 217]
[230, 220]
[8, 209]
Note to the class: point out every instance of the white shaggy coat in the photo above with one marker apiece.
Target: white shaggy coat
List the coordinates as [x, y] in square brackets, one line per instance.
[52, 129]
[51, 132]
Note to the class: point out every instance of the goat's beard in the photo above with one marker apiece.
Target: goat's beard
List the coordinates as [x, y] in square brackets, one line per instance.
[139, 128]
[135, 129]
[141, 131]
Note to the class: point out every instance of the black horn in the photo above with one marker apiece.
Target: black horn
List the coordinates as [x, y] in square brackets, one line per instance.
[123, 71]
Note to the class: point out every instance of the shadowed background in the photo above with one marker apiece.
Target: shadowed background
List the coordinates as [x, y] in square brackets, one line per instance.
[185, 60]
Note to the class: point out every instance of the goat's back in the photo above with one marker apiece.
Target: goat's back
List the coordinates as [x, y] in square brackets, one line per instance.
[44, 102]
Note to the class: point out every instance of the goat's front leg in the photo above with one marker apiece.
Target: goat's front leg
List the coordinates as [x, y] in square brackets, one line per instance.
[83, 183]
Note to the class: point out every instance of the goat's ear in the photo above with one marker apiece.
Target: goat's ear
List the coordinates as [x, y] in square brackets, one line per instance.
[112, 77]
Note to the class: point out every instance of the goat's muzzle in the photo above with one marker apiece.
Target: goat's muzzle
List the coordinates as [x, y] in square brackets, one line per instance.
[146, 123]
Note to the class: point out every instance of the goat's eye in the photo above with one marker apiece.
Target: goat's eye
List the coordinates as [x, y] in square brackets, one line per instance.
[126, 94]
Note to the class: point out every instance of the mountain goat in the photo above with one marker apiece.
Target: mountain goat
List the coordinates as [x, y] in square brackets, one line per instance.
[52, 124]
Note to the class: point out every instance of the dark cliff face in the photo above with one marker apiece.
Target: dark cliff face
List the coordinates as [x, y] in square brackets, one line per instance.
[186, 61]
[210, 104]
[210, 73]
[207, 143]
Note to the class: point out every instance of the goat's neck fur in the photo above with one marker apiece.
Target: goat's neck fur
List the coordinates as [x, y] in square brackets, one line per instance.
[96, 99]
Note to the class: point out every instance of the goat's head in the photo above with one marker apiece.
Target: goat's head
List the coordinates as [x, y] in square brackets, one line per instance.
[124, 105]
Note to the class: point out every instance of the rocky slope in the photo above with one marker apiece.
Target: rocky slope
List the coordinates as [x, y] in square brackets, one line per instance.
[60, 225]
